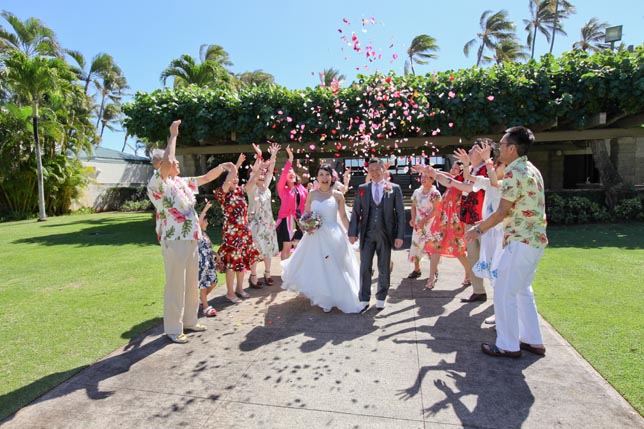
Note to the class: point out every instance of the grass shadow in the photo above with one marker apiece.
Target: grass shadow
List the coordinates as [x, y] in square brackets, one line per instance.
[88, 377]
[623, 236]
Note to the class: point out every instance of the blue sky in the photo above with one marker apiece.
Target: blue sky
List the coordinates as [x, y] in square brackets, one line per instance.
[292, 40]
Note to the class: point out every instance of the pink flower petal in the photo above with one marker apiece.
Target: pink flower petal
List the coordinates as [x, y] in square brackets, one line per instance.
[490, 97]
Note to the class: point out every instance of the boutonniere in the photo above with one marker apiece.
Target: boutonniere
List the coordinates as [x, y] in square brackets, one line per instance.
[387, 188]
[362, 192]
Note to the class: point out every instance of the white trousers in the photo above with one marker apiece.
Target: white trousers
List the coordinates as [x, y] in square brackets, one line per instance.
[514, 306]
[180, 296]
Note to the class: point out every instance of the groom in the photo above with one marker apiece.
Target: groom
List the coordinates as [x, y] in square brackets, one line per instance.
[378, 217]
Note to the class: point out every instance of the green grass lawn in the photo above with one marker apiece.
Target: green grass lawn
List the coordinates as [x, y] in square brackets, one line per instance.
[589, 287]
[75, 288]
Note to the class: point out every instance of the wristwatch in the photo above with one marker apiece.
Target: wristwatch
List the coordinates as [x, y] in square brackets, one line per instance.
[478, 230]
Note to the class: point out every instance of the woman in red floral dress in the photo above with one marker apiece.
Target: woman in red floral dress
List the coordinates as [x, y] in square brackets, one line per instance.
[447, 230]
[237, 252]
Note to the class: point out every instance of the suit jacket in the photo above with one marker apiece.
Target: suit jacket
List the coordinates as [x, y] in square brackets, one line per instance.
[392, 209]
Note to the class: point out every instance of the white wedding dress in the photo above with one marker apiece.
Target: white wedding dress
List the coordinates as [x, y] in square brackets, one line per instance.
[324, 266]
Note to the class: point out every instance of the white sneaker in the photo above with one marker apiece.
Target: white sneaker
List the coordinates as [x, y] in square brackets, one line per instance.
[380, 304]
[490, 320]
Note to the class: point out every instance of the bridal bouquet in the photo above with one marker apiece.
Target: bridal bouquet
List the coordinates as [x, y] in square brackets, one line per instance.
[310, 222]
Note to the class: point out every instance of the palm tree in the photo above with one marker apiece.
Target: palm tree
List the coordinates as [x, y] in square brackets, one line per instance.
[255, 78]
[329, 75]
[560, 10]
[214, 53]
[111, 114]
[509, 51]
[31, 80]
[420, 50]
[495, 28]
[593, 34]
[540, 16]
[186, 71]
[102, 64]
[30, 37]
[111, 87]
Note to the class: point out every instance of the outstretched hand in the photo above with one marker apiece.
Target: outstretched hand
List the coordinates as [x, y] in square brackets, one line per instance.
[289, 151]
[462, 156]
[174, 128]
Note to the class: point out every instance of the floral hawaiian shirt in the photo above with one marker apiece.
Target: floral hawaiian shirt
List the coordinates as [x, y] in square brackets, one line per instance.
[174, 201]
[523, 186]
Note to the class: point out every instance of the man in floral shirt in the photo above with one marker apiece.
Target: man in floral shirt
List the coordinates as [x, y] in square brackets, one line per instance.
[523, 212]
[178, 230]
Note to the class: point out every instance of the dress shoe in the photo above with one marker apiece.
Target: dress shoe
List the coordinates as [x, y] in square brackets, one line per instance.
[541, 351]
[475, 297]
[380, 304]
[494, 351]
[365, 307]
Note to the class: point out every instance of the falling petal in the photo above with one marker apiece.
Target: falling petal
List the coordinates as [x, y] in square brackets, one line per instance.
[490, 97]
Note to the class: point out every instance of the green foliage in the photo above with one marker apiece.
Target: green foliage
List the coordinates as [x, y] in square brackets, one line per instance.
[123, 199]
[570, 89]
[629, 209]
[136, 206]
[573, 209]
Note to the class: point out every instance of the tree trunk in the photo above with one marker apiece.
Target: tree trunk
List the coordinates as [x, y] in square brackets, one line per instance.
[42, 215]
[554, 25]
[125, 141]
[534, 42]
[611, 180]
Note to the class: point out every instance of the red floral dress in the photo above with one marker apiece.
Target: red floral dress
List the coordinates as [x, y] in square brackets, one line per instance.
[237, 251]
[447, 230]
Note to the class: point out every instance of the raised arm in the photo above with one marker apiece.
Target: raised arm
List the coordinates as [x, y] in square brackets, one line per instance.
[214, 173]
[462, 156]
[281, 183]
[207, 207]
[170, 149]
[255, 173]
[273, 149]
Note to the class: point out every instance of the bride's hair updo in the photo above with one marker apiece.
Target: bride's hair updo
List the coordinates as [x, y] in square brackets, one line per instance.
[328, 169]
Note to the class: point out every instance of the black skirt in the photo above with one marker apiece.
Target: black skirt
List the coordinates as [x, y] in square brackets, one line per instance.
[283, 236]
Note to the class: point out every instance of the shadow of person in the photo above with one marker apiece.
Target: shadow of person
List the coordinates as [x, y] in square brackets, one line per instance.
[481, 390]
[87, 377]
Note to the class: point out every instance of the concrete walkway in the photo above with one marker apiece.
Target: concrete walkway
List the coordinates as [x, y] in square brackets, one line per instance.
[276, 362]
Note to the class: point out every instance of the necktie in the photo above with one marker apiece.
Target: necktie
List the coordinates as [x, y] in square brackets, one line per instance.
[376, 193]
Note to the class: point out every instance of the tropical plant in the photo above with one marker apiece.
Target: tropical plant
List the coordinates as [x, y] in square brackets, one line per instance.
[495, 28]
[111, 87]
[510, 50]
[593, 34]
[185, 71]
[254, 78]
[31, 79]
[30, 37]
[214, 53]
[540, 17]
[330, 75]
[102, 65]
[559, 10]
[421, 50]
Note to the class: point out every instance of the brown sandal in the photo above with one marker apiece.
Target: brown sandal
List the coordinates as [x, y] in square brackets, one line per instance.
[268, 279]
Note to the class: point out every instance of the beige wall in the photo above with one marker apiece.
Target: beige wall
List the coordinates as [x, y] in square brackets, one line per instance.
[107, 175]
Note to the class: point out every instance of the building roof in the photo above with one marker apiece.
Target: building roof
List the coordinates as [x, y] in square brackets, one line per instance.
[101, 154]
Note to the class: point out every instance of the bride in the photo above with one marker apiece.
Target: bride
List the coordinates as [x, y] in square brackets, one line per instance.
[324, 266]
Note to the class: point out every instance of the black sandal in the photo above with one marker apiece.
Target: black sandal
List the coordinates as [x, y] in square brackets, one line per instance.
[414, 274]
[256, 285]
